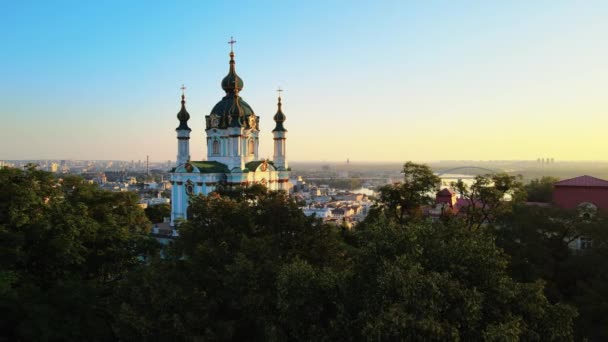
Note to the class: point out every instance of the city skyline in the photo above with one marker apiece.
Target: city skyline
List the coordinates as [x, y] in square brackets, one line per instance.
[370, 82]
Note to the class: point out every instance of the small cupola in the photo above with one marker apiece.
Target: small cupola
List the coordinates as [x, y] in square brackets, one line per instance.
[183, 116]
[232, 83]
[279, 117]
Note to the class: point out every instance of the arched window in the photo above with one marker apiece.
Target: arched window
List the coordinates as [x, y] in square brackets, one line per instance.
[216, 147]
[251, 146]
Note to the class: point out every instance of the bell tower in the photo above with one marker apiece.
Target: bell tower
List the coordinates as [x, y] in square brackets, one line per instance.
[232, 128]
[183, 132]
[280, 137]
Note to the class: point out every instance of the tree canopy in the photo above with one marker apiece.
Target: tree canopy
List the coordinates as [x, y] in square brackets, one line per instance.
[489, 197]
[403, 201]
[541, 189]
[77, 264]
[250, 265]
[64, 244]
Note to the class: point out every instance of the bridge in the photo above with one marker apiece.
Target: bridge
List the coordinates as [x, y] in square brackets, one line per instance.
[460, 169]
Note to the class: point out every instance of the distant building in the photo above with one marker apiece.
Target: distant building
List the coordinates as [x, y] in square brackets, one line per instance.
[584, 192]
[447, 202]
[157, 201]
[323, 212]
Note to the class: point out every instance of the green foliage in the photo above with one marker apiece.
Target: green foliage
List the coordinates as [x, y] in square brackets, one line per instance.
[437, 282]
[541, 189]
[63, 244]
[489, 197]
[403, 201]
[229, 258]
[157, 213]
[538, 238]
[251, 266]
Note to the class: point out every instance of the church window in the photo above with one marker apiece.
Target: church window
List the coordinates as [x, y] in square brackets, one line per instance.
[216, 147]
[251, 146]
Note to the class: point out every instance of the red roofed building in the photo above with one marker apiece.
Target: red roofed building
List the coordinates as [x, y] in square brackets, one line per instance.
[447, 202]
[571, 193]
[446, 196]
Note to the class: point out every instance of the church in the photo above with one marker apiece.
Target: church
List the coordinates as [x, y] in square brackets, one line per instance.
[232, 129]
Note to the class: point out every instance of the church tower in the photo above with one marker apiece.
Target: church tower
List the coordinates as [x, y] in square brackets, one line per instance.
[183, 132]
[232, 126]
[280, 136]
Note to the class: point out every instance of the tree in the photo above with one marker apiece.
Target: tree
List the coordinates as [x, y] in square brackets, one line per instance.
[437, 282]
[157, 213]
[541, 189]
[64, 245]
[249, 265]
[426, 281]
[403, 201]
[538, 241]
[219, 278]
[488, 197]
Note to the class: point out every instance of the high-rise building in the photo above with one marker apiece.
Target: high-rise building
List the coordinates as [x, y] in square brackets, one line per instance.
[232, 130]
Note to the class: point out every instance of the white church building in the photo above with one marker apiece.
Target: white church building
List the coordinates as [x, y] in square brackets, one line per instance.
[232, 129]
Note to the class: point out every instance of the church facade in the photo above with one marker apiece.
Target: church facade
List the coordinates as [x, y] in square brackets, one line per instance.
[232, 131]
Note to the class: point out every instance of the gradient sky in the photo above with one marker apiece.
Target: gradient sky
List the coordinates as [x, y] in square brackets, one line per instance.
[369, 81]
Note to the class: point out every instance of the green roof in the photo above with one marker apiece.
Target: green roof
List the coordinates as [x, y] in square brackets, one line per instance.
[210, 166]
[252, 166]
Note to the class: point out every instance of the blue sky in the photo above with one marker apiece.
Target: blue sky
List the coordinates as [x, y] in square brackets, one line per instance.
[374, 80]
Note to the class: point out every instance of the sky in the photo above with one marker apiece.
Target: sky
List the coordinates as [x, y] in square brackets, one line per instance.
[363, 80]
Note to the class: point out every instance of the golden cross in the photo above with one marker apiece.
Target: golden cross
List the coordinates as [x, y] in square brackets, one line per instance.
[231, 42]
[183, 88]
[279, 90]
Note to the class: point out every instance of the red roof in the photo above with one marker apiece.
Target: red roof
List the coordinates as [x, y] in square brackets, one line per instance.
[585, 181]
[445, 192]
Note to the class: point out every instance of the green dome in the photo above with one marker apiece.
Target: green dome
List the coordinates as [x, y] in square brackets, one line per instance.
[229, 81]
[223, 107]
[183, 116]
[232, 79]
[279, 118]
[232, 110]
[227, 108]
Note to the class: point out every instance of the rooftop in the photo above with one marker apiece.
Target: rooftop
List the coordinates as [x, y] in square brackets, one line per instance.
[583, 181]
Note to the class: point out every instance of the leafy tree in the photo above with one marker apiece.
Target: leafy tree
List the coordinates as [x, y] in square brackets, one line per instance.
[63, 246]
[224, 269]
[250, 265]
[437, 282]
[487, 197]
[404, 201]
[538, 240]
[157, 213]
[541, 189]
